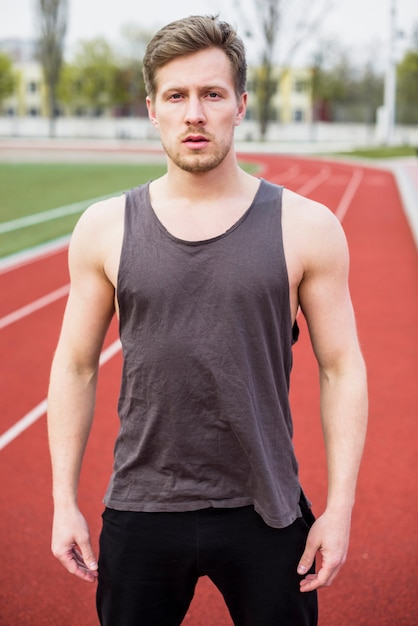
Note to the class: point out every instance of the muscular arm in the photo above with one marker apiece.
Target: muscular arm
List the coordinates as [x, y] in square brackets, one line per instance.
[325, 301]
[71, 396]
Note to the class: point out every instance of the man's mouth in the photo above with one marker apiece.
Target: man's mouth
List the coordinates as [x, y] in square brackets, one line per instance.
[196, 140]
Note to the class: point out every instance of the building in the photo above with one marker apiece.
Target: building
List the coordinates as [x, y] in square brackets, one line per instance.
[292, 95]
[29, 99]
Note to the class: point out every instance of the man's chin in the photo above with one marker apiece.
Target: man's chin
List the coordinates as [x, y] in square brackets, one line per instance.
[198, 164]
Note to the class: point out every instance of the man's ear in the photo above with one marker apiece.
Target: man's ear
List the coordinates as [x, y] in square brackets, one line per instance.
[242, 109]
[151, 112]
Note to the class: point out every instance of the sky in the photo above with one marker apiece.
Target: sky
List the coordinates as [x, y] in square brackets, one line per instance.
[362, 26]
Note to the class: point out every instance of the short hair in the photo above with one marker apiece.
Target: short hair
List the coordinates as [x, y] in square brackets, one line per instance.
[192, 34]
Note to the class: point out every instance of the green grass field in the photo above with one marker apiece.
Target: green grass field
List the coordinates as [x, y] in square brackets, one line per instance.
[389, 152]
[27, 189]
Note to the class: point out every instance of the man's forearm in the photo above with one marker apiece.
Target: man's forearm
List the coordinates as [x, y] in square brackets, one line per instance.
[70, 413]
[344, 419]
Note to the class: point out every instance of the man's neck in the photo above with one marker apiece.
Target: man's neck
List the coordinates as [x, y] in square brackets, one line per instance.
[221, 182]
[197, 207]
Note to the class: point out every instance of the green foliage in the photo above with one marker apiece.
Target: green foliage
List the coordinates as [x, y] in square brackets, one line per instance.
[387, 152]
[342, 92]
[89, 80]
[407, 88]
[97, 80]
[7, 77]
[128, 93]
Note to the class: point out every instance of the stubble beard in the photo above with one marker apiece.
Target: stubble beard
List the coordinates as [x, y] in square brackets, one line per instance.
[198, 163]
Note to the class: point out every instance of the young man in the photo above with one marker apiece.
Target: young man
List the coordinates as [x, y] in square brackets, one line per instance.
[206, 268]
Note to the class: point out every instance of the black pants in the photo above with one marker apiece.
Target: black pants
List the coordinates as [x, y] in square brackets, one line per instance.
[150, 562]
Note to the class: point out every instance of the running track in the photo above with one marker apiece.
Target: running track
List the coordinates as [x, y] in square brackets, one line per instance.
[377, 585]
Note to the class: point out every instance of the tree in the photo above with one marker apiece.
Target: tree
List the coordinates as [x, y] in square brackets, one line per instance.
[130, 89]
[100, 78]
[330, 80]
[7, 77]
[407, 82]
[269, 12]
[89, 81]
[271, 20]
[52, 16]
[342, 91]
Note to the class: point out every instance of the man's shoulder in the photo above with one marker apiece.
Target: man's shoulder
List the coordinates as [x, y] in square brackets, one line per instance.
[306, 213]
[311, 226]
[107, 209]
[101, 215]
[301, 206]
[98, 226]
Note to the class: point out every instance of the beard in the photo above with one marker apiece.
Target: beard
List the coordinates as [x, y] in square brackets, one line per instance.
[198, 162]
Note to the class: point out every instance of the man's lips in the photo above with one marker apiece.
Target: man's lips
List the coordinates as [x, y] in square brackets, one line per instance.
[195, 139]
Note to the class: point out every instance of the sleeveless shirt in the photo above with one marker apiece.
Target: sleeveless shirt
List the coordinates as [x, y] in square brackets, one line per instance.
[207, 337]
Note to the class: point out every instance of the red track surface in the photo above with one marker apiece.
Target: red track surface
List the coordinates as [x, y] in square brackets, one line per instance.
[376, 586]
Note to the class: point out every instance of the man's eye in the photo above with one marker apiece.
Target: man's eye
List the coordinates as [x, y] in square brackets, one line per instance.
[175, 96]
[213, 95]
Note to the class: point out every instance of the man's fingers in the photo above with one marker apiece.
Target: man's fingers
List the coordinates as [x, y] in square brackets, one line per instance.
[79, 567]
[84, 567]
[88, 558]
[323, 578]
[307, 558]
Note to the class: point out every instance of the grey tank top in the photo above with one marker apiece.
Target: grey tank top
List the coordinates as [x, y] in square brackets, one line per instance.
[207, 337]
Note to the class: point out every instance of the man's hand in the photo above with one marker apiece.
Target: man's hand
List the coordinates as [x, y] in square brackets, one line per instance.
[330, 536]
[71, 545]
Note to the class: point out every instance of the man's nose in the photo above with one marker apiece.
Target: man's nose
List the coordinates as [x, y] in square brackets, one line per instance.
[195, 113]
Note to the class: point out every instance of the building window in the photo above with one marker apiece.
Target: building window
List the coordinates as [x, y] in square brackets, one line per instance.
[33, 112]
[298, 115]
[299, 85]
[32, 87]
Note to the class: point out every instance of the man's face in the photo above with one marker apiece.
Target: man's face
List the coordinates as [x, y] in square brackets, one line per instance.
[196, 109]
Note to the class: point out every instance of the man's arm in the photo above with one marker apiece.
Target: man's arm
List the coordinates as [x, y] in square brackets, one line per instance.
[325, 301]
[72, 389]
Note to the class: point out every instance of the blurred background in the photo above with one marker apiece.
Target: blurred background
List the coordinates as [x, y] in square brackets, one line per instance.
[319, 70]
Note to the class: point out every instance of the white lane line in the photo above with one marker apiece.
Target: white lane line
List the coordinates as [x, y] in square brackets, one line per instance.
[349, 194]
[51, 214]
[44, 216]
[24, 423]
[38, 411]
[110, 351]
[286, 175]
[30, 255]
[28, 309]
[315, 181]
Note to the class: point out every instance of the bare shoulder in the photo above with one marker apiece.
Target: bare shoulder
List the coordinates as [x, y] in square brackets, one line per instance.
[97, 237]
[100, 217]
[311, 232]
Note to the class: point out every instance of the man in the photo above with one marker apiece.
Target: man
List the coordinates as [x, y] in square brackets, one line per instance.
[206, 268]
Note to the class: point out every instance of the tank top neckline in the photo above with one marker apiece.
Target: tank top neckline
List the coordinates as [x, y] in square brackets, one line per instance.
[198, 242]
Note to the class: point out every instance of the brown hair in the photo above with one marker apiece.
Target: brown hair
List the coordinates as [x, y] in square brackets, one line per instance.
[189, 35]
